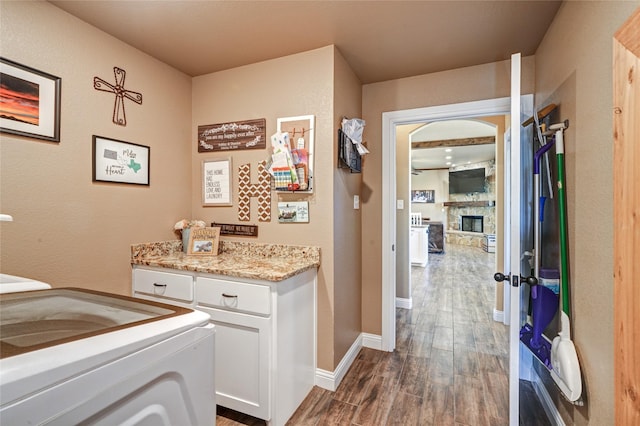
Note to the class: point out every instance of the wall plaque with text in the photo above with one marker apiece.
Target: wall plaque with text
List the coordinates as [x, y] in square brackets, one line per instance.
[236, 135]
[236, 230]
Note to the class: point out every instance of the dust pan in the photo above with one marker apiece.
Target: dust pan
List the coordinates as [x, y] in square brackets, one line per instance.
[564, 358]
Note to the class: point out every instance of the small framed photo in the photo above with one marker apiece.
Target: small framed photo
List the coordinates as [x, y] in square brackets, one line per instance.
[216, 182]
[423, 196]
[120, 162]
[29, 102]
[293, 211]
[204, 241]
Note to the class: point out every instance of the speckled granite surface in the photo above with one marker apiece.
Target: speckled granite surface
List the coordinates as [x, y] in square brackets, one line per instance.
[270, 262]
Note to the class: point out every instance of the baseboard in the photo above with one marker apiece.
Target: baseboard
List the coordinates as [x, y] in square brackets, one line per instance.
[330, 380]
[498, 316]
[547, 403]
[372, 341]
[404, 303]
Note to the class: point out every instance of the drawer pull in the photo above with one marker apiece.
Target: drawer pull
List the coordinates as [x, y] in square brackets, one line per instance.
[159, 285]
[235, 296]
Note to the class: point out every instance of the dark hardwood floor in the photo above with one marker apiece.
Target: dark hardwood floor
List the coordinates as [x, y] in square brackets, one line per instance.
[450, 366]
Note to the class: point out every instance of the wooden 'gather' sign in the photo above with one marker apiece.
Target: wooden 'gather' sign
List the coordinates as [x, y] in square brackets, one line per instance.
[248, 134]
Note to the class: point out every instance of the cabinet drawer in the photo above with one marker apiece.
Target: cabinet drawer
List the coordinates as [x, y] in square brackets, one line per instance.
[163, 284]
[233, 295]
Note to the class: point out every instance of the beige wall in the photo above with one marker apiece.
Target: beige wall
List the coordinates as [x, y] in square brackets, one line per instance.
[318, 83]
[574, 70]
[481, 82]
[68, 230]
[347, 226]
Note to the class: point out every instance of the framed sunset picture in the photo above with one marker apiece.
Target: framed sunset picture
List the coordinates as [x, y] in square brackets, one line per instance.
[29, 102]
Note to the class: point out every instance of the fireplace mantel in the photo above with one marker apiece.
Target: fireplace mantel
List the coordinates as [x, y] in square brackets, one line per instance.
[485, 203]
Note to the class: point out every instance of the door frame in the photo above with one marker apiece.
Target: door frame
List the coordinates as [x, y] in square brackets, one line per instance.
[483, 108]
[626, 238]
[499, 106]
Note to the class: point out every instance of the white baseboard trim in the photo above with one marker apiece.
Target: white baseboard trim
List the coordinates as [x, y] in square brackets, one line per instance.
[547, 403]
[404, 303]
[372, 341]
[498, 316]
[330, 380]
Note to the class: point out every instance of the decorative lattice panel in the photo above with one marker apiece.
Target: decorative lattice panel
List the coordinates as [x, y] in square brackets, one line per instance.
[248, 190]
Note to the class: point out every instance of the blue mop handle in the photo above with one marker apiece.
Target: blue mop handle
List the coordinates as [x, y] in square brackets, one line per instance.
[541, 209]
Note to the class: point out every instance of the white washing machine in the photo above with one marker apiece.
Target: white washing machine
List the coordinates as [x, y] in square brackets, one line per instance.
[72, 356]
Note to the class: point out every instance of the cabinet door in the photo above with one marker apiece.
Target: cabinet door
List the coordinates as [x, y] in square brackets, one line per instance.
[242, 361]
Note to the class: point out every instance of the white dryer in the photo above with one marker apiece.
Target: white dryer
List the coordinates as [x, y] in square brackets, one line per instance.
[74, 356]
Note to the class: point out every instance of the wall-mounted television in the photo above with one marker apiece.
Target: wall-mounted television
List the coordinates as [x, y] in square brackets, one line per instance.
[467, 181]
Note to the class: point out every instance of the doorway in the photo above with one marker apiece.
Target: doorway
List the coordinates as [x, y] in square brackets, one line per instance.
[390, 120]
[459, 163]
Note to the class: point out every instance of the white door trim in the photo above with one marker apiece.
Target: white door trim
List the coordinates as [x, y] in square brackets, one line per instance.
[514, 244]
[499, 106]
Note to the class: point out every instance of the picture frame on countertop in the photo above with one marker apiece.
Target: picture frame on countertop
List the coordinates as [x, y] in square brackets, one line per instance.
[216, 182]
[204, 241]
[30, 102]
[116, 161]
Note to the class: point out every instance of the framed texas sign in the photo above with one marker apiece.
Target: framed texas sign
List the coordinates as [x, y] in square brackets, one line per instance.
[120, 162]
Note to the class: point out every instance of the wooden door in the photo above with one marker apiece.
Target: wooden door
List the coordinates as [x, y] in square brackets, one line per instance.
[626, 184]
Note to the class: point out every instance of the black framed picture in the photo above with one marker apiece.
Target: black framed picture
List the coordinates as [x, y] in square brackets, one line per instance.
[120, 162]
[29, 102]
[423, 196]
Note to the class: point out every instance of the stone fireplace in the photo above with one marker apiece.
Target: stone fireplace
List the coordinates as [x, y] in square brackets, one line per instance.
[472, 223]
[471, 216]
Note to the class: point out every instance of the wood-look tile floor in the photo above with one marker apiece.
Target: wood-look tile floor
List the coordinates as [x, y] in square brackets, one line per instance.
[450, 366]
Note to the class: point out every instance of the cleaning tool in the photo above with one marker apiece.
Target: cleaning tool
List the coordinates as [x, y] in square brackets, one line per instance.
[543, 141]
[544, 300]
[564, 359]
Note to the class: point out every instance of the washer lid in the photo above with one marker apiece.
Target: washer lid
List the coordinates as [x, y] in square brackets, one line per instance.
[12, 283]
[35, 320]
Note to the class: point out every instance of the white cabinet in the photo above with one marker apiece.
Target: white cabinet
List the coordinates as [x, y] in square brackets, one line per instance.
[419, 245]
[265, 334]
[241, 313]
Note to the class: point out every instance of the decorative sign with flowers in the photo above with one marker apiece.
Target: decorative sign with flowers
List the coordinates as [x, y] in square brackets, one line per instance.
[184, 226]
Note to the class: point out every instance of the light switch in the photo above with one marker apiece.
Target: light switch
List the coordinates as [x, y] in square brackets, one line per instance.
[356, 202]
[400, 204]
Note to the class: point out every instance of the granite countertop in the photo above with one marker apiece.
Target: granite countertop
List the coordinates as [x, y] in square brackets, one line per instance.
[269, 262]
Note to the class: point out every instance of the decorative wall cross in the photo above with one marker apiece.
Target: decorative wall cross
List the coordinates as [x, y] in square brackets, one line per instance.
[119, 116]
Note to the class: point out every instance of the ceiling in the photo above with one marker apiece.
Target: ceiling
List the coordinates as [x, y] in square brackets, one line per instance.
[436, 158]
[381, 40]
[452, 156]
